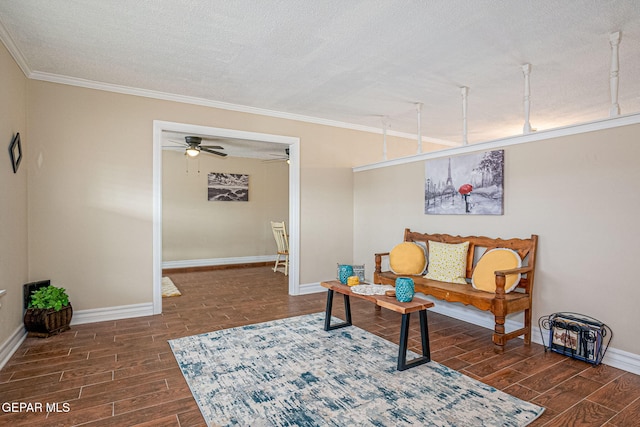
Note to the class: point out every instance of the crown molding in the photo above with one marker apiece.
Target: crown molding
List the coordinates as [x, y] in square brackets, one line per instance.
[127, 90]
[8, 42]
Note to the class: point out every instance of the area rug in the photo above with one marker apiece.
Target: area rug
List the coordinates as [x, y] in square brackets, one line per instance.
[169, 289]
[290, 372]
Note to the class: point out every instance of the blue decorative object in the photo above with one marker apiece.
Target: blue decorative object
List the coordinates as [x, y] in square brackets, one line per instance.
[290, 372]
[405, 289]
[344, 272]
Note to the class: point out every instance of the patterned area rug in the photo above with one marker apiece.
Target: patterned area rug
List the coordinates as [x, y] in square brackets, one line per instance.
[169, 289]
[290, 372]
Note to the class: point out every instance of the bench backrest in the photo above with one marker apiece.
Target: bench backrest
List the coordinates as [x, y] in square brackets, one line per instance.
[526, 248]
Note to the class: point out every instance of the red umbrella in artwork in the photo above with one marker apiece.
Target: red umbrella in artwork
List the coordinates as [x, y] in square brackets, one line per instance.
[465, 189]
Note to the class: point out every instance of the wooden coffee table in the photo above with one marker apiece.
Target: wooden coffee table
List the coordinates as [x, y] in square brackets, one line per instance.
[390, 303]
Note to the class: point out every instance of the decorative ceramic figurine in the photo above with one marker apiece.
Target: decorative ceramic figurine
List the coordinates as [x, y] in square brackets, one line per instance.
[404, 289]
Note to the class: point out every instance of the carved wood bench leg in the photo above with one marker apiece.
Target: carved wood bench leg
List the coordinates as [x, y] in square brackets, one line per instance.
[527, 325]
[499, 311]
[498, 335]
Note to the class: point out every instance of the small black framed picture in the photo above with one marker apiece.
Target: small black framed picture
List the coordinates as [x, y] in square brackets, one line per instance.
[15, 151]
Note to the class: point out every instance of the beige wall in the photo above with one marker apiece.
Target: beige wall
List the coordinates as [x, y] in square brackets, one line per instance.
[13, 196]
[578, 193]
[194, 228]
[88, 164]
[90, 189]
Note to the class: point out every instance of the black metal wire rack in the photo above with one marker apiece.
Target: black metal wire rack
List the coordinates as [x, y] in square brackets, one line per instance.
[576, 335]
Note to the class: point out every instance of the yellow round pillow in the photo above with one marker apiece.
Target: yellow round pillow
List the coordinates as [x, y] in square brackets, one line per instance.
[483, 277]
[407, 258]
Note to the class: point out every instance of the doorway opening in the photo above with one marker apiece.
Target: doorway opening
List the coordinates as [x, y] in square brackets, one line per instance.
[160, 128]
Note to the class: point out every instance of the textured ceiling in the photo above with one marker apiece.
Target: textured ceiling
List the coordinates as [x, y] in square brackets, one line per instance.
[350, 61]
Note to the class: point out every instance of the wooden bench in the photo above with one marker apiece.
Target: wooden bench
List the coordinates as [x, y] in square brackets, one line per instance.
[499, 303]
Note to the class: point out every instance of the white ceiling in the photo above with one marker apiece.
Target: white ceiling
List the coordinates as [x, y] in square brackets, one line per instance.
[346, 61]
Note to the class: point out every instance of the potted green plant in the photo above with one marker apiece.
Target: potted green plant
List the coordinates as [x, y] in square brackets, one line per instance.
[49, 312]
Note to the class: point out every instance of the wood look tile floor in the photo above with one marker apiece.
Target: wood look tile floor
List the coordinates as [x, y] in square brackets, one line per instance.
[123, 373]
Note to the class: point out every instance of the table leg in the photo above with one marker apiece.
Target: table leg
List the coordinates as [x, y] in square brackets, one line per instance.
[404, 340]
[424, 332]
[347, 308]
[327, 317]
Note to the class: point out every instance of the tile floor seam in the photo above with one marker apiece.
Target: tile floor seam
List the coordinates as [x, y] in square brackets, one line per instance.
[615, 413]
[623, 409]
[550, 366]
[604, 385]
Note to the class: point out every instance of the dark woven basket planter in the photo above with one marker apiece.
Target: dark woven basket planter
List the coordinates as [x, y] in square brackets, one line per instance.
[43, 323]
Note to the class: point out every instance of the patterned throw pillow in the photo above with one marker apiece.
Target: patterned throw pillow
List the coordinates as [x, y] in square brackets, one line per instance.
[407, 258]
[483, 278]
[448, 262]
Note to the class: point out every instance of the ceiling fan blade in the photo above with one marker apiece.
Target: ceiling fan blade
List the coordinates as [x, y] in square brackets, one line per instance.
[177, 141]
[213, 147]
[279, 157]
[217, 153]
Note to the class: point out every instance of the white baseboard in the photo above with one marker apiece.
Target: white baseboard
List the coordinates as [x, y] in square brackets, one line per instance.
[311, 288]
[111, 313]
[11, 345]
[613, 357]
[218, 261]
[472, 315]
[620, 359]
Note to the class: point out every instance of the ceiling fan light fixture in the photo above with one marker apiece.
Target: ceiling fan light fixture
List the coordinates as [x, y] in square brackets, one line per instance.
[193, 151]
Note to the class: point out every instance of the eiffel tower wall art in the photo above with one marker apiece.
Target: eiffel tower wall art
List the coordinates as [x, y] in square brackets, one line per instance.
[470, 184]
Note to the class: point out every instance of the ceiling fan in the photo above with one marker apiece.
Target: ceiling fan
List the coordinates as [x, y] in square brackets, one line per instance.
[279, 157]
[194, 147]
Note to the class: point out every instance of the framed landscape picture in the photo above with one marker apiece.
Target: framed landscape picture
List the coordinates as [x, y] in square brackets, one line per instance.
[470, 184]
[228, 187]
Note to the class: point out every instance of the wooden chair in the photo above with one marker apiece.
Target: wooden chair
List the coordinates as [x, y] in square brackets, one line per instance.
[280, 234]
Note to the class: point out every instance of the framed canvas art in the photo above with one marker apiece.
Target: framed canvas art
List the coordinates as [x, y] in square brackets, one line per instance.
[470, 184]
[228, 187]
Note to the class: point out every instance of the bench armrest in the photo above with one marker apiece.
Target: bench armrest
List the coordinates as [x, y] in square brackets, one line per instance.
[378, 258]
[501, 279]
[513, 271]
